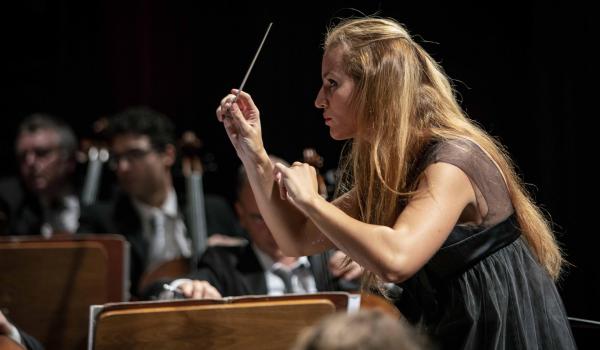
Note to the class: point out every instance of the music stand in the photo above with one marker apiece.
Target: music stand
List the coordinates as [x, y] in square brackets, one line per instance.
[47, 286]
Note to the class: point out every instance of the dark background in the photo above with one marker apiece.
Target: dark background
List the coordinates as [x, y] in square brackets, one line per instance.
[522, 70]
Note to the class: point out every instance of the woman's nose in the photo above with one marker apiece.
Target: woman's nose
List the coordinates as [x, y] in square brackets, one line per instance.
[320, 101]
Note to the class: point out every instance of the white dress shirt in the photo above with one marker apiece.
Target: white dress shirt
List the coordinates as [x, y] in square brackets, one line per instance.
[62, 217]
[164, 231]
[13, 333]
[300, 275]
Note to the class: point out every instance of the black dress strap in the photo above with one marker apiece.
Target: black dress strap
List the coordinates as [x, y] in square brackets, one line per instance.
[464, 248]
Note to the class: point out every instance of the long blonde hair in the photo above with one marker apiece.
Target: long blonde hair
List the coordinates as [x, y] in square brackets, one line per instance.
[404, 101]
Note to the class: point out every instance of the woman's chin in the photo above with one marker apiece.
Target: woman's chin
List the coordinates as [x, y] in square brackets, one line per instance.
[338, 136]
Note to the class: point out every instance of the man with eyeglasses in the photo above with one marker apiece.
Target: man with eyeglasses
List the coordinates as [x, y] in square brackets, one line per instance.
[148, 211]
[43, 199]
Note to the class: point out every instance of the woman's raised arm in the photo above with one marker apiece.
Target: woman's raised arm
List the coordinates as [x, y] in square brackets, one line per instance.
[295, 234]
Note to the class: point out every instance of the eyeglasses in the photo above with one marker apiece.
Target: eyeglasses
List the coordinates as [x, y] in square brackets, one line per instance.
[256, 218]
[131, 156]
[38, 152]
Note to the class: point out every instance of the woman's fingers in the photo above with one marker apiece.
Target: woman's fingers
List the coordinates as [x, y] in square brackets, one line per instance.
[244, 99]
[279, 167]
[238, 117]
[297, 182]
[241, 119]
[231, 130]
[233, 119]
[223, 107]
[278, 173]
[281, 186]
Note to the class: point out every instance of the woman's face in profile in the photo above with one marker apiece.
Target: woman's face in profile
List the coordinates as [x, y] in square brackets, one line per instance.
[335, 95]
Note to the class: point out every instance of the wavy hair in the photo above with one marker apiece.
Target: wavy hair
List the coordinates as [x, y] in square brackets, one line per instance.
[404, 102]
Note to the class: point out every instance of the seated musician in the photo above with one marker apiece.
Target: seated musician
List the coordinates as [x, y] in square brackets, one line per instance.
[260, 267]
[42, 200]
[148, 211]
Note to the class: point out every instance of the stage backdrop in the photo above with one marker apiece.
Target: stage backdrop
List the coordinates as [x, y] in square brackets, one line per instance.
[521, 69]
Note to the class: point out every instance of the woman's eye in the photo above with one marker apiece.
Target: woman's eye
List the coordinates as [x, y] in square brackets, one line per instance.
[332, 82]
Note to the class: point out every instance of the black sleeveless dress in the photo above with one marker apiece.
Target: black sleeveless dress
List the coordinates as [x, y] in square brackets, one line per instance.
[484, 288]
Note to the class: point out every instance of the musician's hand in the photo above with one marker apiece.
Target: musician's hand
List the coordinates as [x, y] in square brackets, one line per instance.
[197, 289]
[348, 272]
[217, 239]
[242, 123]
[297, 184]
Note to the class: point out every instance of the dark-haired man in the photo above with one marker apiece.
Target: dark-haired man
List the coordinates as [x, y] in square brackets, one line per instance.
[148, 211]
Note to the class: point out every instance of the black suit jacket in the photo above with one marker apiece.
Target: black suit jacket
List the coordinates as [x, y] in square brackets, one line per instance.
[30, 342]
[236, 271]
[20, 211]
[121, 217]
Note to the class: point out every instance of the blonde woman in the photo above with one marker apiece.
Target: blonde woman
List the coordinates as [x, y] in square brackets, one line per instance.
[430, 202]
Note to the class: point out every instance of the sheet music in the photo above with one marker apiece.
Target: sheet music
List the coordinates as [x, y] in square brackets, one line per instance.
[353, 303]
[94, 311]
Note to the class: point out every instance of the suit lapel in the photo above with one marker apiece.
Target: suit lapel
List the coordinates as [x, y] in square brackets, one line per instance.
[129, 224]
[30, 217]
[320, 270]
[253, 275]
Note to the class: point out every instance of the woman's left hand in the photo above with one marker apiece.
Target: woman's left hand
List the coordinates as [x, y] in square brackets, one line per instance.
[297, 184]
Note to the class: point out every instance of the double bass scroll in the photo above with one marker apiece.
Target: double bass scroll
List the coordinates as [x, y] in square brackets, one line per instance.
[310, 156]
[193, 170]
[94, 152]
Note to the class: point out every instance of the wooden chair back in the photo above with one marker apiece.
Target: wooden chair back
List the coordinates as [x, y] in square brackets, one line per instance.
[244, 325]
[47, 286]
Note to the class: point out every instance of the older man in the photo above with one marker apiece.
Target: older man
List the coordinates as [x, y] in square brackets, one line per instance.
[42, 200]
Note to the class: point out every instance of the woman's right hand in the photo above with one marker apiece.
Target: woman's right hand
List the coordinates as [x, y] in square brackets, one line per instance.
[242, 123]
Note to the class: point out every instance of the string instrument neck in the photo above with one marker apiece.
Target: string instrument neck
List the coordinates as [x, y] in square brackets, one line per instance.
[312, 158]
